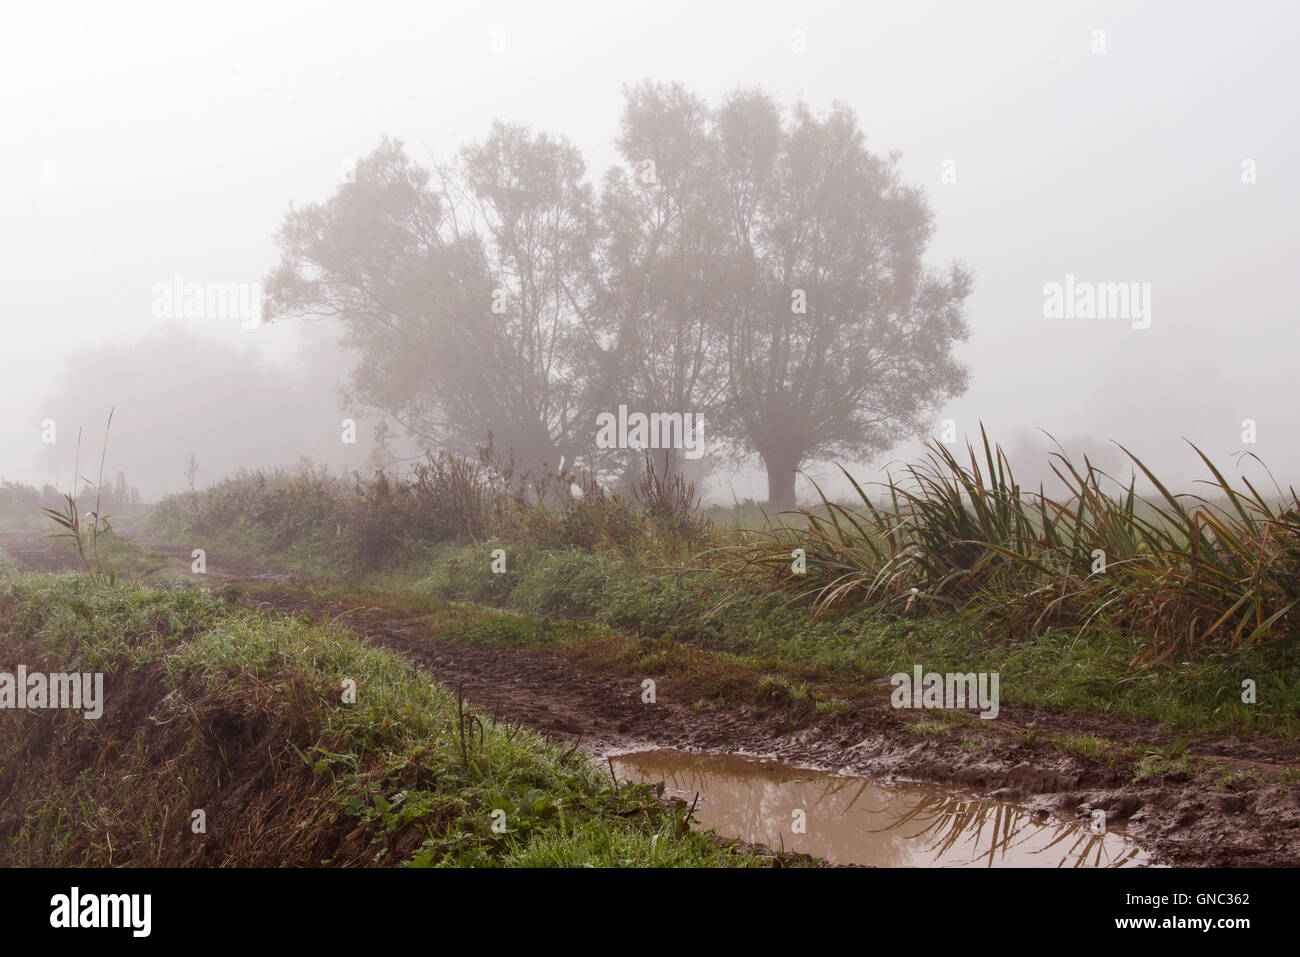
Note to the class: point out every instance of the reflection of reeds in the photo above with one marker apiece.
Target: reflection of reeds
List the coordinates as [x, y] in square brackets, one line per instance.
[1091, 843]
[944, 829]
[951, 818]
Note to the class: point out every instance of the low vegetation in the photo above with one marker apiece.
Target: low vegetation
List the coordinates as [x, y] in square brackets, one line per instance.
[223, 705]
[960, 571]
[341, 527]
[22, 504]
[850, 648]
[1183, 572]
[241, 715]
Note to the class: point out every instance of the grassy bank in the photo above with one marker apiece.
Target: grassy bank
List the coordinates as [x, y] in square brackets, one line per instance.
[1053, 668]
[637, 610]
[241, 714]
[1186, 574]
[348, 527]
[1101, 602]
[844, 698]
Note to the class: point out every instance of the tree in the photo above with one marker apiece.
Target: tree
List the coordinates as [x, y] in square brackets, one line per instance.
[838, 341]
[178, 394]
[662, 283]
[769, 269]
[759, 267]
[458, 292]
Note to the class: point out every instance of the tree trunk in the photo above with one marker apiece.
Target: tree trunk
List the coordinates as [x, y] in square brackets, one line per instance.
[780, 479]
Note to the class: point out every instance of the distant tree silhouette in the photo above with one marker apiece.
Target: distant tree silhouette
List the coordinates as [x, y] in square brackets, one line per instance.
[755, 266]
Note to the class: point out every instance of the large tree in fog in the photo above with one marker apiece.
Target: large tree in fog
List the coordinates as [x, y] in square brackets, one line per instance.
[838, 340]
[458, 288]
[760, 268]
[663, 278]
[766, 270]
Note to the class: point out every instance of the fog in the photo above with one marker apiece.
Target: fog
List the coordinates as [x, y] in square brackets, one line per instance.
[1084, 143]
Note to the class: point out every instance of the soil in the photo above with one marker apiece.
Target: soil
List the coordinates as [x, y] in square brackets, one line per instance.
[1180, 822]
[38, 552]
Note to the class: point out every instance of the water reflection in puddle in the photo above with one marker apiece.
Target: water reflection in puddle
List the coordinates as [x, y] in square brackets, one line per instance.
[857, 821]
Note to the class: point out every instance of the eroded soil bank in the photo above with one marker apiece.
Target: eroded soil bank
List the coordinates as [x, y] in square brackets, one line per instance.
[1179, 818]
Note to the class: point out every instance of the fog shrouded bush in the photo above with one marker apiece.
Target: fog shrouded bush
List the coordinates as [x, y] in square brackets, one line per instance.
[349, 523]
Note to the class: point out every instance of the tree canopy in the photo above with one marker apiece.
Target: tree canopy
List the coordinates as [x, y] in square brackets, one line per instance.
[757, 267]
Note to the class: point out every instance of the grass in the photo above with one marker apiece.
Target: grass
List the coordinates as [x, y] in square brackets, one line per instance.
[242, 713]
[953, 566]
[1183, 572]
[1054, 669]
[123, 558]
[1172, 769]
[1087, 747]
[929, 727]
[736, 655]
[347, 526]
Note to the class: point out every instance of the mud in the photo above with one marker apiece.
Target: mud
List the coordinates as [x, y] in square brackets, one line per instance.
[222, 567]
[37, 552]
[1178, 822]
[1189, 823]
[847, 820]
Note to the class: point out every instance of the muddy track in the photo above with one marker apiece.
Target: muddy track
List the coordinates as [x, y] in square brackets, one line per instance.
[1184, 823]
[38, 552]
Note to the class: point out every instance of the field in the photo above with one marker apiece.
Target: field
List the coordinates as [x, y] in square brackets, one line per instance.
[1159, 688]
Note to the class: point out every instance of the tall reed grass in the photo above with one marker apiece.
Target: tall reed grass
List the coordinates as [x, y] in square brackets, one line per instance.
[1180, 570]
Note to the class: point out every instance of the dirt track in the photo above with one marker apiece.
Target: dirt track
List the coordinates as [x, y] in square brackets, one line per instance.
[1187, 823]
[38, 552]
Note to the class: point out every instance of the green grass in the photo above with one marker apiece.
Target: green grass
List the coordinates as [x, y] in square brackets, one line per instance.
[1056, 669]
[955, 568]
[929, 726]
[126, 559]
[1087, 747]
[1185, 572]
[1103, 669]
[1161, 767]
[570, 598]
[392, 761]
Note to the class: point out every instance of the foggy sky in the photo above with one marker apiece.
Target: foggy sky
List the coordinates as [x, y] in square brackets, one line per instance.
[142, 141]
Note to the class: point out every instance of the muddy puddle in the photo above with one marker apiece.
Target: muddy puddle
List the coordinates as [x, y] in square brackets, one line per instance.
[857, 821]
